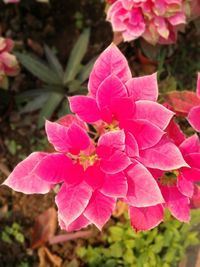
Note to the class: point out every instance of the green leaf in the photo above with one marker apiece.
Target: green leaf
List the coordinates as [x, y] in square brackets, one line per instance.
[35, 104]
[85, 71]
[49, 107]
[54, 62]
[76, 56]
[39, 69]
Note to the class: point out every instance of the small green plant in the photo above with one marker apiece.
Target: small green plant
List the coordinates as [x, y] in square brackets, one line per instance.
[11, 233]
[57, 82]
[12, 146]
[163, 246]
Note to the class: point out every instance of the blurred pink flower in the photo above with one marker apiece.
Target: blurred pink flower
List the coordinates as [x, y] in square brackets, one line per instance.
[155, 21]
[8, 62]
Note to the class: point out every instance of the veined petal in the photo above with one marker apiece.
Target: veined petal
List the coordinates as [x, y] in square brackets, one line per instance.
[143, 219]
[78, 139]
[116, 162]
[154, 113]
[111, 61]
[143, 88]
[72, 201]
[115, 185]
[177, 203]
[132, 149]
[193, 159]
[54, 168]
[145, 133]
[194, 118]
[24, 178]
[85, 107]
[185, 186]
[110, 89]
[190, 145]
[163, 156]
[113, 140]
[79, 223]
[143, 190]
[68, 119]
[100, 209]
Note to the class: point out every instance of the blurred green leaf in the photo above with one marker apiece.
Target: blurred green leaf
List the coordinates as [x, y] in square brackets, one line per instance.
[39, 69]
[76, 56]
[54, 62]
[49, 107]
[34, 104]
[85, 71]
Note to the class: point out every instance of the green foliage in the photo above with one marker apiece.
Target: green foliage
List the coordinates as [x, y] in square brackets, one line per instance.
[11, 233]
[163, 246]
[57, 82]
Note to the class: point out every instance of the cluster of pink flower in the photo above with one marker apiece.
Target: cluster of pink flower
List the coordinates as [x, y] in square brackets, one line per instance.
[157, 21]
[8, 62]
[120, 144]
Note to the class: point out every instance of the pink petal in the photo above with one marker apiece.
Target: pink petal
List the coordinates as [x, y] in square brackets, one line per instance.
[115, 185]
[111, 61]
[100, 209]
[57, 136]
[143, 88]
[143, 219]
[24, 179]
[132, 149]
[185, 186]
[190, 145]
[191, 174]
[193, 159]
[194, 118]
[164, 156]
[143, 190]
[79, 223]
[94, 176]
[123, 109]
[145, 133]
[174, 132]
[114, 139]
[54, 168]
[78, 139]
[68, 119]
[85, 108]
[177, 203]
[109, 89]
[115, 163]
[72, 201]
[153, 112]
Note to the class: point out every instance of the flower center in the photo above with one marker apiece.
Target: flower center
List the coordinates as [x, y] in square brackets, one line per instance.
[169, 179]
[113, 126]
[87, 160]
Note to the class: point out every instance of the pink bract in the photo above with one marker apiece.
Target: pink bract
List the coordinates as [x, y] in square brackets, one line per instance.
[119, 155]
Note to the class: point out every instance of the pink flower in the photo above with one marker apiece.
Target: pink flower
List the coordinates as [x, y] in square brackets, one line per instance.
[156, 21]
[178, 188]
[8, 62]
[119, 155]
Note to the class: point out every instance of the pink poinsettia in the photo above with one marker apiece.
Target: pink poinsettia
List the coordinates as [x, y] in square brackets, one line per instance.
[117, 156]
[8, 62]
[194, 113]
[155, 21]
[178, 187]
